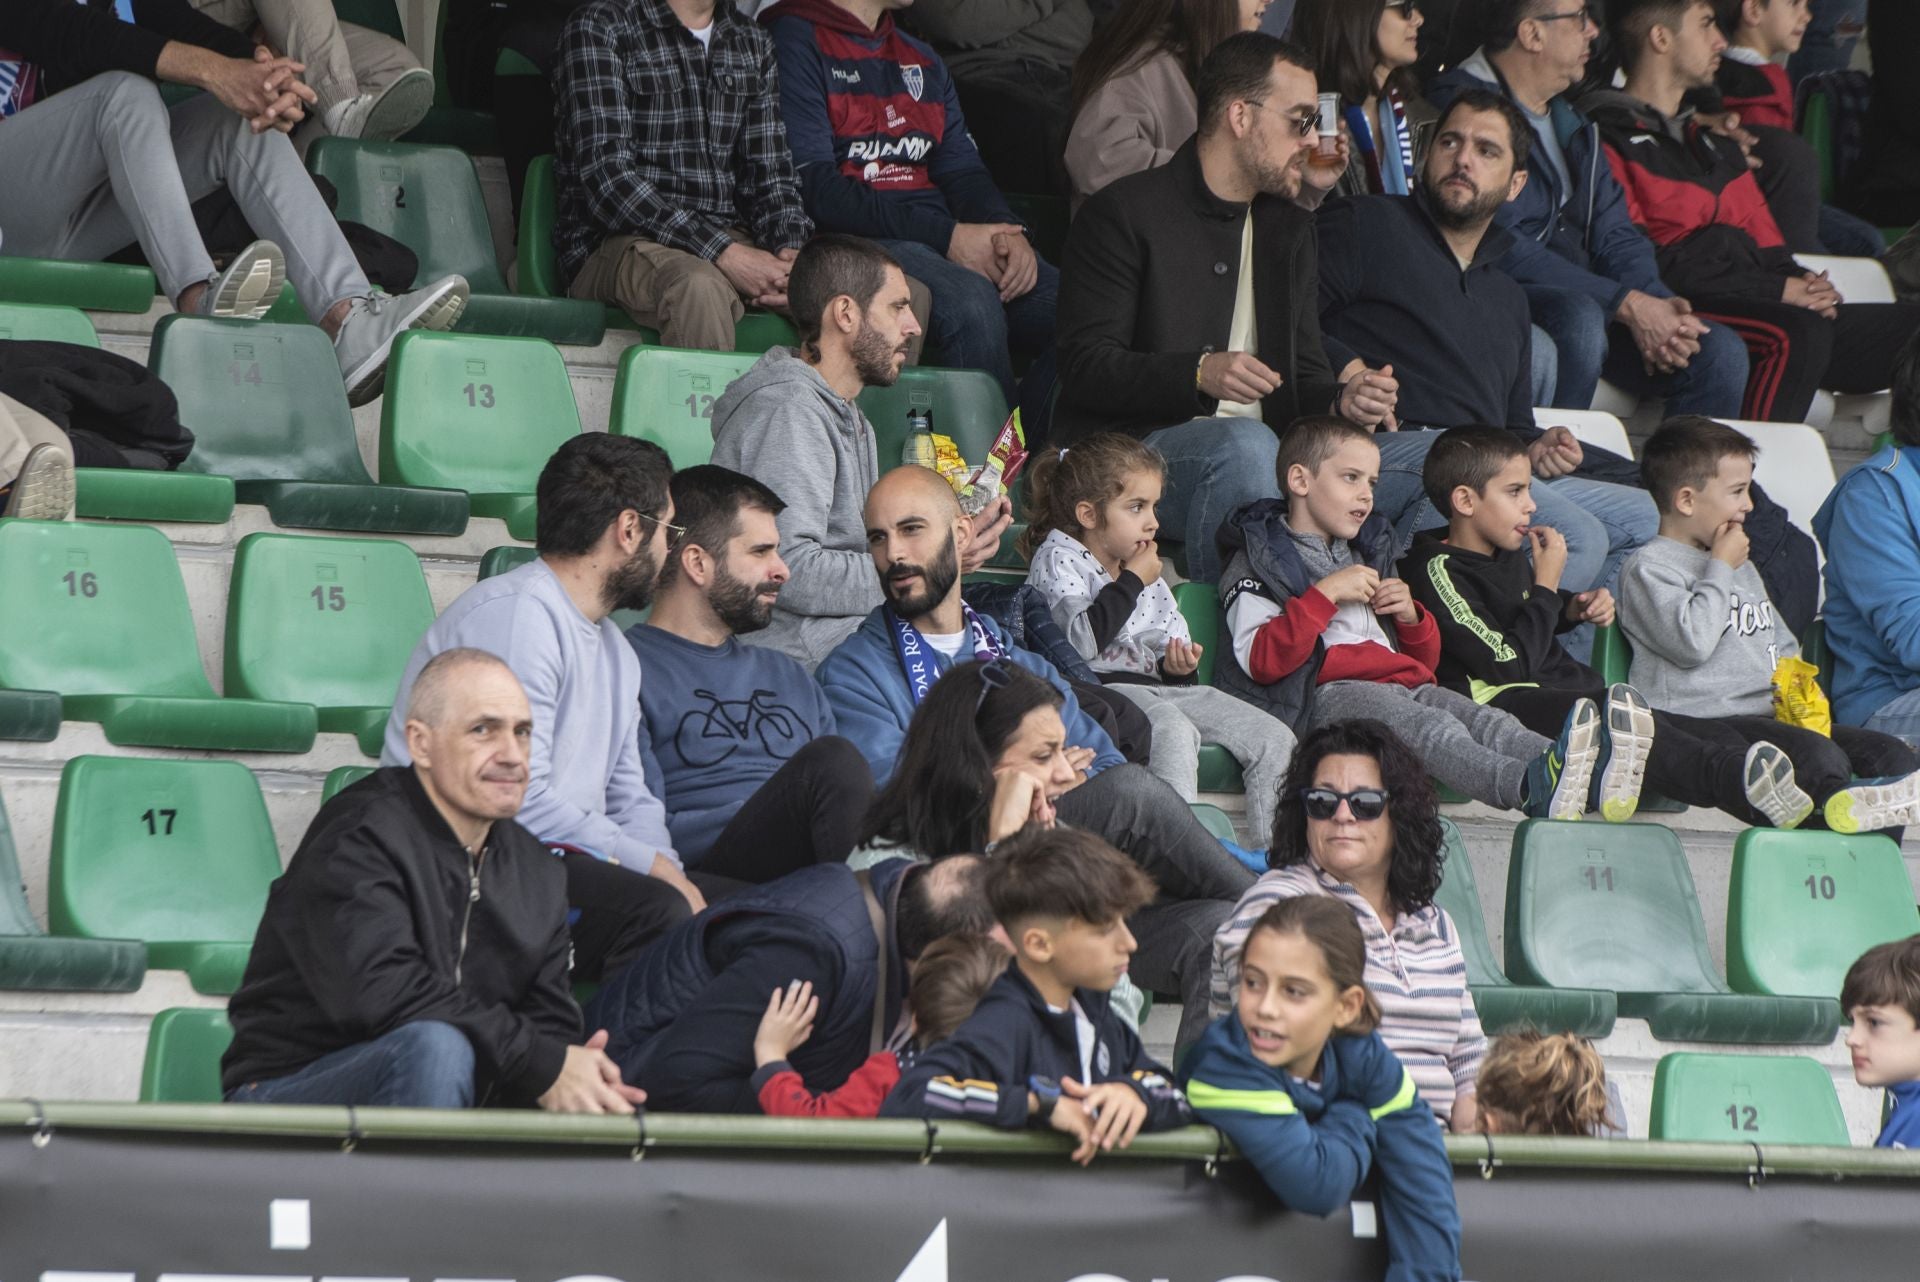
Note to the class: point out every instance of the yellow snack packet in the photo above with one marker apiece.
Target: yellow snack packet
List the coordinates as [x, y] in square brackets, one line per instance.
[949, 462]
[1798, 699]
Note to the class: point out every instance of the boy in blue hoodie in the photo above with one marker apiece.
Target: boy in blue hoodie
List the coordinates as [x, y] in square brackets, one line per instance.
[1881, 998]
[1044, 1048]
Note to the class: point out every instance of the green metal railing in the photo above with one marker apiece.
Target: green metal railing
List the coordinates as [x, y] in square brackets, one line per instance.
[666, 1131]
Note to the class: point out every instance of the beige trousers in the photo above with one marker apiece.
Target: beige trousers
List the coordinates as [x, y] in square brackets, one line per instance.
[342, 60]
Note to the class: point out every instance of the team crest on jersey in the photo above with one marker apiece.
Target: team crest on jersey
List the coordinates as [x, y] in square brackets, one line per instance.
[915, 77]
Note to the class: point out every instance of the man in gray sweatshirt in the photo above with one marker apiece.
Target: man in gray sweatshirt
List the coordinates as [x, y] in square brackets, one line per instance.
[791, 423]
[604, 519]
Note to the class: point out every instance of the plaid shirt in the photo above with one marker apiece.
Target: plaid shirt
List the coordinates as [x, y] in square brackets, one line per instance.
[658, 138]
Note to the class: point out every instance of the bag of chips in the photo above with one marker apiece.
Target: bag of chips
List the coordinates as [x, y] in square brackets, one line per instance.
[1004, 461]
[1798, 699]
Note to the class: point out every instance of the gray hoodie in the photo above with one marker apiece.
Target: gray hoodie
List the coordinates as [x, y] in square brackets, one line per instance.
[1705, 638]
[782, 425]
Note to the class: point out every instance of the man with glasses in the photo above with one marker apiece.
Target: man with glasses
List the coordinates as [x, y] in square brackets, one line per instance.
[605, 524]
[1187, 299]
[1589, 273]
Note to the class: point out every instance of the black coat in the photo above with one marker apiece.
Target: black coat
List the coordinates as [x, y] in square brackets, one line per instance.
[1147, 284]
[362, 934]
[74, 42]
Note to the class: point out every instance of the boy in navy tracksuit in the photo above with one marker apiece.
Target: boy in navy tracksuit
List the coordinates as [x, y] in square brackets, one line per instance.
[1044, 1048]
[874, 124]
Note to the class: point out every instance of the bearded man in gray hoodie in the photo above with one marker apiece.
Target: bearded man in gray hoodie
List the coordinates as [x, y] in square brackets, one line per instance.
[791, 423]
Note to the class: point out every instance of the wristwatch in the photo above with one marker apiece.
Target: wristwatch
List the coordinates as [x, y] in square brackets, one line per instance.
[1047, 1091]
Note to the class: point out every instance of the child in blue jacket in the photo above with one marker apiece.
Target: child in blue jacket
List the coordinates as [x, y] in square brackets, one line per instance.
[1299, 1081]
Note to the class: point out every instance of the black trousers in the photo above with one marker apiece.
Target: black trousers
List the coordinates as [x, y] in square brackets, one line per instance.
[808, 813]
[1795, 352]
[614, 912]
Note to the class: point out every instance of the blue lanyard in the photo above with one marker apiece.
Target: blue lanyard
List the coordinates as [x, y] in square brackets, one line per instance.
[921, 662]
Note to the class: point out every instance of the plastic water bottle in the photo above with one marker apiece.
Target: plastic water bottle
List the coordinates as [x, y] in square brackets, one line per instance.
[919, 451]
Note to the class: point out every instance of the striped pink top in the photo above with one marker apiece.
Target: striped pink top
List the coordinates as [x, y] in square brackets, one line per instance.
[1416, 972]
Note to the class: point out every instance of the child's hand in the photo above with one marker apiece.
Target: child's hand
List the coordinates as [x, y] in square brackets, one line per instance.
[787, 1024]
[1144, 561]
[1116, 1110]
[1354, 585]
[1182, 658]
[1069, 1118]
[1549, 555]
[1394, 599]
[1595, 607]
[1730, 544]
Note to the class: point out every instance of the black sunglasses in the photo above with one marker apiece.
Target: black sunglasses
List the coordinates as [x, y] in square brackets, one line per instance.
[1365, 804]
[993, 676]
[1407, 8]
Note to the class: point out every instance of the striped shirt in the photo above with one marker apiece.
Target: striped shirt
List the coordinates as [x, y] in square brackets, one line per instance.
[1416, 972]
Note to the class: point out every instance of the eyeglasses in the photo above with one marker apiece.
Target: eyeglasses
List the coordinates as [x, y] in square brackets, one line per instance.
[675, 532]
[1407, 8]
[993, 676]
[1303, 126]
[1365, 804]
[1584, 13]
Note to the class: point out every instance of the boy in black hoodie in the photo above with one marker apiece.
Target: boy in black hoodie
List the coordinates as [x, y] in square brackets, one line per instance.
[1500, 613]
[1044, 1047]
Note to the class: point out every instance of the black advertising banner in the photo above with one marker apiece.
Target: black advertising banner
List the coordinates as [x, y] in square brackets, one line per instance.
[113, 1206]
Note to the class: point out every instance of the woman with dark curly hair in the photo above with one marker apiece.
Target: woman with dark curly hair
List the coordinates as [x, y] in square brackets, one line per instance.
[1357, 821]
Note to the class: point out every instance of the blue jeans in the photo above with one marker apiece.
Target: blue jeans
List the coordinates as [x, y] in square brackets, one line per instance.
[1849, 235]
[1590, 345]
[1900, 717]
[1214, 465]
[421, 1065]
[971, 326]
[1546, 367]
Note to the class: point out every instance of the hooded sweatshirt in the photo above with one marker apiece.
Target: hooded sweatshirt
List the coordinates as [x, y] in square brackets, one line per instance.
[782, 425]
[1705, 639]
[874, 124]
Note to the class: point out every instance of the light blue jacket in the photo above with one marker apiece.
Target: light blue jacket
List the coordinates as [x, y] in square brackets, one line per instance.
[872, 702]
[1870, 529]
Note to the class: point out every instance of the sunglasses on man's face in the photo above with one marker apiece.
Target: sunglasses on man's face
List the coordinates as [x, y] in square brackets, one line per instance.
[1364, 804]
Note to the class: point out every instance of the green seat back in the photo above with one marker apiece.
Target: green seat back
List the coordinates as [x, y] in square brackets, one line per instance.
[97, 287]
[666, 394]
[46, 323]
[1612, 656]
[1459, 894]
[31, 959]
[965, 403]
[1802, 906]
[265, 402]
[1816, 126]
[95, 610]
[184, 1047]
[1216, 821]
[538, 274]
[1200, 606]
[1814, 649]
[176, 853]
[341, 778]
[474, 413]
[329, 622]
[506, 557]
[427, 198]
[1745, 1099]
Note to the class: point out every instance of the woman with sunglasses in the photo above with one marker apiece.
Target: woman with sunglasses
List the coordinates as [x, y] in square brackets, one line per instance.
[1364, 50]
[1358, 821]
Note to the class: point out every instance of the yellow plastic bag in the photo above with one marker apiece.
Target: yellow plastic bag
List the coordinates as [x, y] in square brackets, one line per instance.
[1798, 699]
[949, 462]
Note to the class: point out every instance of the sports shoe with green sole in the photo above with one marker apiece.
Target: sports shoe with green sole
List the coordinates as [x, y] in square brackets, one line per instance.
[1559, 778]
[1771, 788]
[1868, 805]
[1626, 740]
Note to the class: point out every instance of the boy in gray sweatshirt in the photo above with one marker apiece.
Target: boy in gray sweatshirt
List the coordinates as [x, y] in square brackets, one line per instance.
[1706, 639]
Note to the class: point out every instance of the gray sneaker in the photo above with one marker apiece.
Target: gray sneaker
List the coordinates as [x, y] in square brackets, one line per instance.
[366, 335]
[1771, 788]
[250, 285]
[44, 489]
[383, 116]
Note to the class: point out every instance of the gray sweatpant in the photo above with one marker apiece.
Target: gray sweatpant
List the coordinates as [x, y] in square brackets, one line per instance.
[1184, 717]
[1480, 751]
[99, 166]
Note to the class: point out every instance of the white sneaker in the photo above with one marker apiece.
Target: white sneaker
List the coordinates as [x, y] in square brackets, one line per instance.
[44, 489]
[1868, 805]
[366, 335]
[383, 116]
[250, 286]
[1771, 788]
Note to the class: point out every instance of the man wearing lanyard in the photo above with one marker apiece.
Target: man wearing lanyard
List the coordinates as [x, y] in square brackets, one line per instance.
[877, 677]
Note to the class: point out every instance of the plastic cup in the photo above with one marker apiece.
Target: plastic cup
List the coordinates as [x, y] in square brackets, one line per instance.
[1329, 124]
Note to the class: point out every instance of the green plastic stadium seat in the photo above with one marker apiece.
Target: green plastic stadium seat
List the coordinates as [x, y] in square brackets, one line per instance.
[539, 276]
[428, 199]
[329, 622]
[45, 323]
[503, 558]
[268, 409]
[478, 414]
[1816, 126]
[1215, 820]
[1745, 1099]
[1803, 905]
[1815, 651]
[184, 1047]
[965, 404]
[34, 960]
[1200, 606]
[99, 613]
[176, 853]
[666, 394]
[32, 716]
[1612, 656]
[341, 778]
[96, 287]
[1505, 1006]
[1612, 906]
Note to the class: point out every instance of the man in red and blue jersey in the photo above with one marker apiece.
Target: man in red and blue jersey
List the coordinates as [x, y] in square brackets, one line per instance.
[882, 150]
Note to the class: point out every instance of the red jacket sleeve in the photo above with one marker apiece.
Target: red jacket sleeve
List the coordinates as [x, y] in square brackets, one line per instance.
[1420, 640]
[1286, 641]
[785, 1095]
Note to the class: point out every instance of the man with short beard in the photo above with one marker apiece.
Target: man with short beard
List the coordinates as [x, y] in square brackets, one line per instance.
[738, 741]
[1414, 281]
[604, 519]
[792, 422]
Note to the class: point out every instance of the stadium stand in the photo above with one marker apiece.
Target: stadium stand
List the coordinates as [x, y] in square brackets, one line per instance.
[183, 1056]
[32, 959]
[1803, 905]
[1745, 1099]
[666, 394]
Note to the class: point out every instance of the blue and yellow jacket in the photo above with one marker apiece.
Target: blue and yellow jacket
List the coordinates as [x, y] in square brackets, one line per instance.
[1313, 1142]
[980, 1074]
